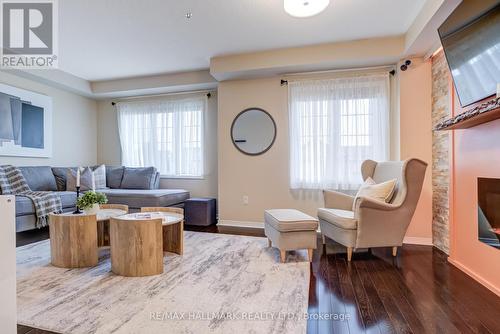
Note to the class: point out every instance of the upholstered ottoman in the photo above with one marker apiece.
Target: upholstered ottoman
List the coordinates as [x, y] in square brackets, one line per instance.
[289, 229]
[200, 211]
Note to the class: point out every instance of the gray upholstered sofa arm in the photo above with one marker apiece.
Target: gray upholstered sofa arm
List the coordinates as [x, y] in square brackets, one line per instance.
[337, 200]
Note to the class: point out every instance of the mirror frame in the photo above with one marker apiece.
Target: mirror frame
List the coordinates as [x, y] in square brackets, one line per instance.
[274, 126]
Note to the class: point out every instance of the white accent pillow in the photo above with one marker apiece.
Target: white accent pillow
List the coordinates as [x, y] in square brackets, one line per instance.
[379, 191]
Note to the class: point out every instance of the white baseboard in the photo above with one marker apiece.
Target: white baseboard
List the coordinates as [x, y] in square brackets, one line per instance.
[239, 223]
[246, 224]
[475, 276]
[418, 241]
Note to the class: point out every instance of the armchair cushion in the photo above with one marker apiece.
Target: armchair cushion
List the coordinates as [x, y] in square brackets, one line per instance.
[341, 218]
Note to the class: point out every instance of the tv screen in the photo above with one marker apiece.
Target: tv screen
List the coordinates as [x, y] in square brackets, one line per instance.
[471, 41]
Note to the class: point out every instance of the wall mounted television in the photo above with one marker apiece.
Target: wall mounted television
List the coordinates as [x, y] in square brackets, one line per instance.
[471, 41]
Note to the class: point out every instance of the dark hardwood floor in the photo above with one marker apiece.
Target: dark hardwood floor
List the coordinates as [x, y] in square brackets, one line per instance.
[416, 292]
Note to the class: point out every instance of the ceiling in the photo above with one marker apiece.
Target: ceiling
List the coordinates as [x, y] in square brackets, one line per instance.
[111, 39]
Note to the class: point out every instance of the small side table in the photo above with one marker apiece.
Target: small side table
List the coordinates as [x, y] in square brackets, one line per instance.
[200, 211]
[73, 241]
[136, 246]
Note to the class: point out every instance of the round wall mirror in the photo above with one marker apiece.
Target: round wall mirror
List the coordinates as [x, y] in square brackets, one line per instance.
[253, 131]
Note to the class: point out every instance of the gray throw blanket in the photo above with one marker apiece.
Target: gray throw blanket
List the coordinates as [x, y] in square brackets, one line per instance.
[12, 182]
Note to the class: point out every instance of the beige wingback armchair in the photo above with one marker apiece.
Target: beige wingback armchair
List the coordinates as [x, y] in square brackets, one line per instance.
[369, 222]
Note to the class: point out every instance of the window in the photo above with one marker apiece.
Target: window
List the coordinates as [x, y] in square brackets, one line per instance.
[354, 123]
[335, 125]
[166, 134]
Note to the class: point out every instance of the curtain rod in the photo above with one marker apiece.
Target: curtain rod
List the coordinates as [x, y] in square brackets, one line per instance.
[388, 67]
[207, 91]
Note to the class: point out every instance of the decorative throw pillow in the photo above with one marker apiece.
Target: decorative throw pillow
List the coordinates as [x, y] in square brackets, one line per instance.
[114, 176]
[100, 177]
[379, 191]
[86, 178]
[138, 178]
[60, 174]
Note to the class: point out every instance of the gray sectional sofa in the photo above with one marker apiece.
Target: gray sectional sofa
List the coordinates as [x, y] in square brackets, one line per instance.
[135, 187]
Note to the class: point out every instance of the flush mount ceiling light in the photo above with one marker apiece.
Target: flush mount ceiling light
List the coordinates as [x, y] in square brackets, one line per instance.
[305, 8]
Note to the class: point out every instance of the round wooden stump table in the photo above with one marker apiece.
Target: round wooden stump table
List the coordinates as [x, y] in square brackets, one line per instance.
[104, 214]
[73, 240]
[138, 241]
[136, 247]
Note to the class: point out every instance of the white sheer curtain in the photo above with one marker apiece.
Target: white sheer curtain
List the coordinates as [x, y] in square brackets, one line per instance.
[166, 134]
[335, 124]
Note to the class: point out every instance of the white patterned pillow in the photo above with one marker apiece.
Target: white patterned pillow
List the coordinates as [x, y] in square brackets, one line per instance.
[100, 177]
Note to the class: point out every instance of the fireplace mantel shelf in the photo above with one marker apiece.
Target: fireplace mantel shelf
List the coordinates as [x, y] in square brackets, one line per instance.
[483, 113]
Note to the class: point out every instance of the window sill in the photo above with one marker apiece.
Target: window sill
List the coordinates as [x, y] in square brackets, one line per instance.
[167, 177]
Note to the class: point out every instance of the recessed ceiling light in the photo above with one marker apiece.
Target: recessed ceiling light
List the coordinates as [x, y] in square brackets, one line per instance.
[305, 8]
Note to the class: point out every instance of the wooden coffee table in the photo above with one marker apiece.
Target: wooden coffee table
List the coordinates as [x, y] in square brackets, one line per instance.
[73, 241]
[103, 216]
[172, 228]
[138, 241]
[136, 247]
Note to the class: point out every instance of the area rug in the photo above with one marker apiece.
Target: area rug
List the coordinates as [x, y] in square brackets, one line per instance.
[222, 284]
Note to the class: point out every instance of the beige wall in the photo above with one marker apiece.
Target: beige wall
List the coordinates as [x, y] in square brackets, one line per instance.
[74, 126]
[415, 87]
[265, 178]
[109, 151]
[108, 147]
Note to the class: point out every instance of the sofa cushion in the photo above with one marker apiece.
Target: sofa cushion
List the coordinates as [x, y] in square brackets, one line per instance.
[60, 176]
[138, 178]
[24, 206]
[39, 178]
[341, 218]
[288, 220]
[137, 198]
[114, 176]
